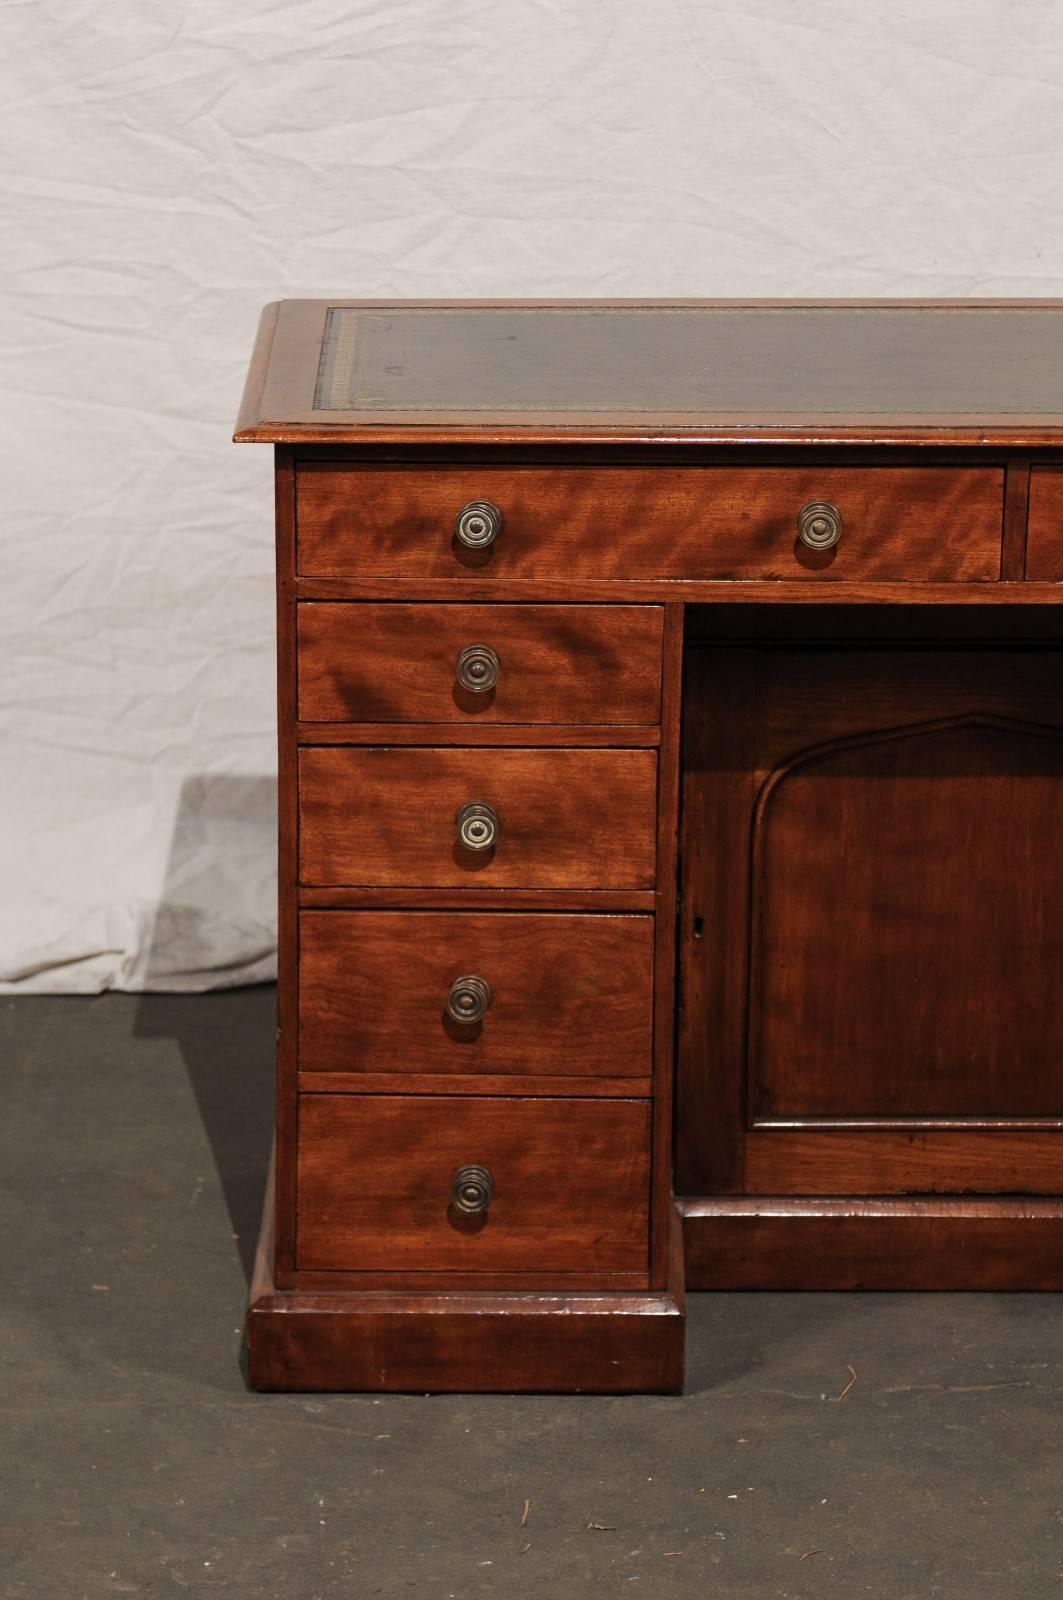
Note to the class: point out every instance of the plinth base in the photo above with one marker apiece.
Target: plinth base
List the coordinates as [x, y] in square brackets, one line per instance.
[946, 1243]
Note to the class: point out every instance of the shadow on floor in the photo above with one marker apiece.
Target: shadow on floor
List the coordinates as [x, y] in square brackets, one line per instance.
[224, 840]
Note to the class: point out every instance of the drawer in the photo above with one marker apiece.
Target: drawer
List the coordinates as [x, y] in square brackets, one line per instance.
[1044, 541]
[561, 819]
[381, 991]
[361, 662]
[897, 523]
[376, 1174]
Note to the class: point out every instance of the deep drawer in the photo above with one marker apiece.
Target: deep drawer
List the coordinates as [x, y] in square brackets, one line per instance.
[376, 1178]
[897, 523]
[562, 818]
[497, 664]
[382, 991]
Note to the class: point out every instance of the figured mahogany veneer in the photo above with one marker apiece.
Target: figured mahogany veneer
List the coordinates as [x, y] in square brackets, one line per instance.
[570, 995]
[571, 1186]
[568, 819]
[900, 523]
[559, 664]
[769, 938]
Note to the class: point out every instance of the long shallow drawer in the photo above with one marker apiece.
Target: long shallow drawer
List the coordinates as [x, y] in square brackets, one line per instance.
[897, 523]
[568, 1183]
[576, 819]
[390, 991]
[1044, 543]
[361, 662]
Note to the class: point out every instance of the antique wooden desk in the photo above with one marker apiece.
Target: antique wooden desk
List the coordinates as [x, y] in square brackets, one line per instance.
[671, 789]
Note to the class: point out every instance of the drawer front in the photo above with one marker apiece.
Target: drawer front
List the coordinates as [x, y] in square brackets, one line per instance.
[375, 1176]
[381, 991]
[572, 819]
[1044, 542]
[897, 523]
[361, 662]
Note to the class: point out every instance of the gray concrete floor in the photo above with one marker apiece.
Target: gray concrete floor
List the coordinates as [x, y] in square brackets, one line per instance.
[135, 1461]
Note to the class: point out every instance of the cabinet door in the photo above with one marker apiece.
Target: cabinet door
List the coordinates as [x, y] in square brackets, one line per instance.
[872, 941]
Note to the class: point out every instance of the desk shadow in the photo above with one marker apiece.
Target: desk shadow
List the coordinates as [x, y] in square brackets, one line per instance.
[225, 826]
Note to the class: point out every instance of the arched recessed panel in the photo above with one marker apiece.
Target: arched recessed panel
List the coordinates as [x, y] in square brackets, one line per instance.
[907, 926]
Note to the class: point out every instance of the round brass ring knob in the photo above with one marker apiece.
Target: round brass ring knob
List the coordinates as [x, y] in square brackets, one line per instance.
[478, 524]
[471, 1190]
[477, 668]
[468, 998]
[477, 825]
[819, 525]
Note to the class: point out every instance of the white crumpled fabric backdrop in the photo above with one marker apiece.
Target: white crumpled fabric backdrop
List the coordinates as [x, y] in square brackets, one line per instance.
[168, 168]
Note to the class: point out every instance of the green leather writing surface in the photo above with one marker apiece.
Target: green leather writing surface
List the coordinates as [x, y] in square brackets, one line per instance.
[701, 360]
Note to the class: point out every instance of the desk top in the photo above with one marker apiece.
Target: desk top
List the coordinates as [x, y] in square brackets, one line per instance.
[724, 371]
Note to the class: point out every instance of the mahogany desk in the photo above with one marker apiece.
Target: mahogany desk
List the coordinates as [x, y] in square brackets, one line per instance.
[671, 789]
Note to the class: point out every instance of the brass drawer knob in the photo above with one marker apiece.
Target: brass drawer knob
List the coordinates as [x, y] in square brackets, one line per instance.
[471, 1190]
[477, 825]
[478, 668]
[478, 524]
[468, 998]
[819, 525]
